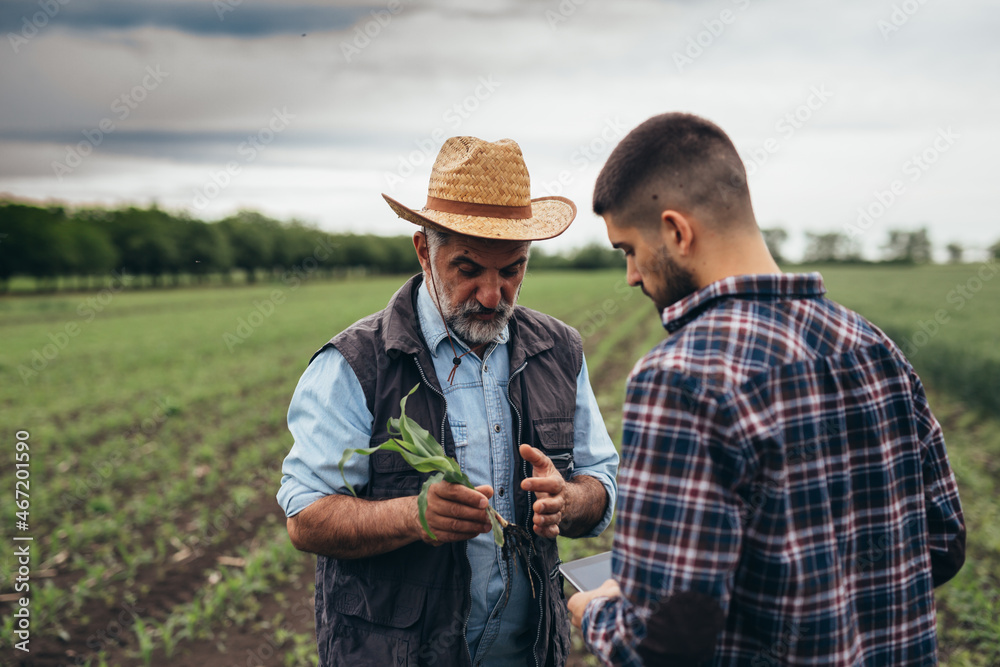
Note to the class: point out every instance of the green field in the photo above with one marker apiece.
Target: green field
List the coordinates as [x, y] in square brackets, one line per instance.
[157, 428]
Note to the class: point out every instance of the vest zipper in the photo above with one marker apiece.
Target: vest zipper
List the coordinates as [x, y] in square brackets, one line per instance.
[444, 419]
[527, 519]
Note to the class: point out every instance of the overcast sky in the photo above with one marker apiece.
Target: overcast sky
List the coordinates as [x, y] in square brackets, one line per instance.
[312, 109]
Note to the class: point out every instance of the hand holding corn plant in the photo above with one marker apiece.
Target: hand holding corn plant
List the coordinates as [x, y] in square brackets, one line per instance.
[425, 454]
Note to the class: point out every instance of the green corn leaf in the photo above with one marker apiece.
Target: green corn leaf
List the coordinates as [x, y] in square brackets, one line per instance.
[424, 454]
[420, 437]
[418, 462]
[422, 503]
[417, 437]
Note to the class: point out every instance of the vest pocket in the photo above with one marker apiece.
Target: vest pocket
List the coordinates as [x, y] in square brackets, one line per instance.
[384, 461]
[554, 436]
[392, 476]
[374, 623]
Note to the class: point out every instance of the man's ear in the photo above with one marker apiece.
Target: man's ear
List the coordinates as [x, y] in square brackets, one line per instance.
[423, 252]
[677, 232]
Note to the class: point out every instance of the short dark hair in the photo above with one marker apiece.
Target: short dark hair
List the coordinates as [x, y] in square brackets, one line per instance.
[680, 161]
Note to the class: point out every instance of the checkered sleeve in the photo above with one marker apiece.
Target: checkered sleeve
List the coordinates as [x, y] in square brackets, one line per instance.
[945, 522]
[678, 526]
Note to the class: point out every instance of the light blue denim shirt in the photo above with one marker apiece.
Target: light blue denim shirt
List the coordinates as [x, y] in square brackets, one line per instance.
[328, 414]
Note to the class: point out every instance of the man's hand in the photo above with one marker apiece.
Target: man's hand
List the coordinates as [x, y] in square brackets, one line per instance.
[550, 491]
[455, 512]
[578, 603]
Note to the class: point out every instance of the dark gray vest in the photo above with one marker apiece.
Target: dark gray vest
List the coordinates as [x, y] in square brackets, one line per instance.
[410, 606]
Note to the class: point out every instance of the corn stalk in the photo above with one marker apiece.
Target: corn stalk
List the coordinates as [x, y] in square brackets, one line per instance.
[425, 454]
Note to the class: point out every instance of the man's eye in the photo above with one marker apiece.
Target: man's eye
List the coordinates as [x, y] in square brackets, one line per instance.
[509, 273]
[468, 273]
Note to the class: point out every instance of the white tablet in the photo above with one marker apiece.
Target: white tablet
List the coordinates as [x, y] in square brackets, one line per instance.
[588, 573]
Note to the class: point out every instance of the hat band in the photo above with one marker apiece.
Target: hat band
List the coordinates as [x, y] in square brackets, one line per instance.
[479, 210]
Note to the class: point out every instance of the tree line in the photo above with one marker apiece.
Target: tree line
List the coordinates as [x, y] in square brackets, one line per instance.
[901, 246]
[49, 242]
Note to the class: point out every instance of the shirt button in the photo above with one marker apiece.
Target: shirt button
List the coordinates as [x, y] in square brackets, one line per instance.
[486, 369]
[501, 492]
[496, 427]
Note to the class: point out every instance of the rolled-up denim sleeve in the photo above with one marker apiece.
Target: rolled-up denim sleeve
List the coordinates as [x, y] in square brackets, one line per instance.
[593, 452]
[327, 415]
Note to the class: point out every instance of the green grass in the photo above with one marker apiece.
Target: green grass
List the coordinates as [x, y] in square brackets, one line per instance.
[158, 423]
[945, 318]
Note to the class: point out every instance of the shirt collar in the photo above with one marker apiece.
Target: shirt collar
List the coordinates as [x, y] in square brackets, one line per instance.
[433, 328]
[758, 286]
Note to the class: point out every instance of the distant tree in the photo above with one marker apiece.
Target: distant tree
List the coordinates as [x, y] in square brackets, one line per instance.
[830, 247]
[908, 247]
[400, 255]
[596, 256]
[146, 239]
[775, 238]
[203, 249]
[252, 238]
[995, 250]
[543, 261]
[35, 243]
[955, 252]
[89, 251]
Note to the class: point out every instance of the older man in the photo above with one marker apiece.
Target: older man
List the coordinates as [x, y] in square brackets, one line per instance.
[786, 497]
[503, 388]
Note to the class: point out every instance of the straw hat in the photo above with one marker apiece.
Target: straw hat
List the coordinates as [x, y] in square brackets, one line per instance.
[481, 188]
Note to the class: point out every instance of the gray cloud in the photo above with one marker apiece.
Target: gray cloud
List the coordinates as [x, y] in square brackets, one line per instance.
[565, 68]
[221, 17]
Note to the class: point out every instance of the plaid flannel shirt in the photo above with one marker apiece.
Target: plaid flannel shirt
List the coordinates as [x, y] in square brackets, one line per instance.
[779, 456]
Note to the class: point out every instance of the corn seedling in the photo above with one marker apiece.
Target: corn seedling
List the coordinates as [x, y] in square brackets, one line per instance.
[425, 454]
[146, 644]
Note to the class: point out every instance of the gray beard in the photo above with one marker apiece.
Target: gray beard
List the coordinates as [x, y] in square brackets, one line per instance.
[459, 317]
[477, 332]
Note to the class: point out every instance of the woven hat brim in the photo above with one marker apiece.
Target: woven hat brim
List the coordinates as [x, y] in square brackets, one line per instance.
[550, 217]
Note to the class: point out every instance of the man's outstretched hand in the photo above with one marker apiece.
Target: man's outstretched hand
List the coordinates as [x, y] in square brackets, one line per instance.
[550, 491]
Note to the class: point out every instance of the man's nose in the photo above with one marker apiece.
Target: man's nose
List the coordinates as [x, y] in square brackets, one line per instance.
[488, 293]
[632, 272]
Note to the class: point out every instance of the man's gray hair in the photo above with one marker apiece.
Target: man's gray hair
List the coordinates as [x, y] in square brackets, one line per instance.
[435, 239]
[438, 239]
